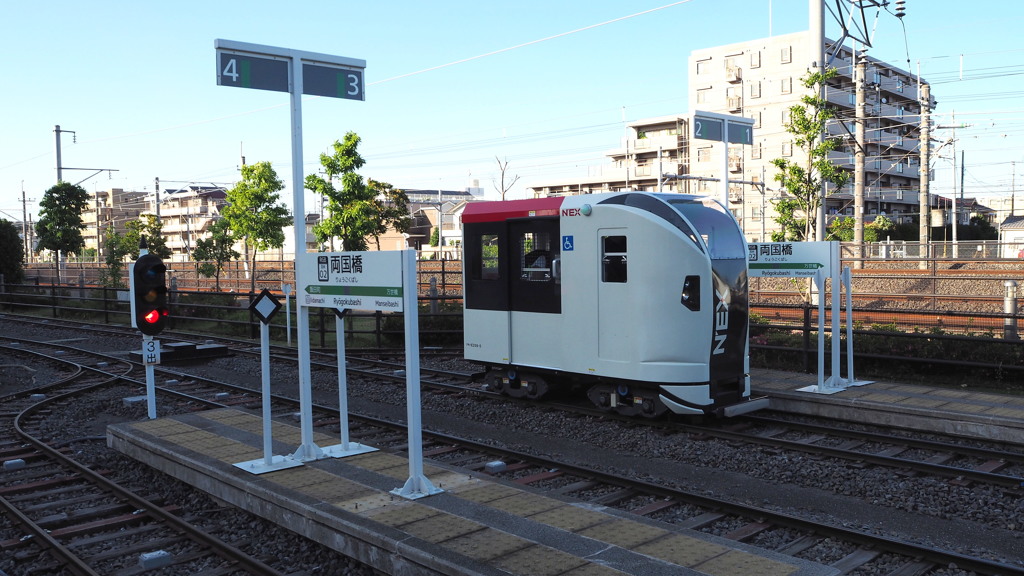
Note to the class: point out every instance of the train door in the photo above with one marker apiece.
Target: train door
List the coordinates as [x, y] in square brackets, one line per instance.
[534, 253]
[612, 294]
[535, 291]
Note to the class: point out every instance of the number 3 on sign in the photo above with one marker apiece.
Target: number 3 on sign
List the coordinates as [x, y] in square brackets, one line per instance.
[353, 85]
[150, 352]
[231, 69]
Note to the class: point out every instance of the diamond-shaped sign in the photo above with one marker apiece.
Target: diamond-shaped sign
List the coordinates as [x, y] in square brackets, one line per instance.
[265, 306]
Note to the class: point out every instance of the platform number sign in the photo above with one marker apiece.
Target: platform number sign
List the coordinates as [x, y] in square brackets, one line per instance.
[268, 72]
[251, 71]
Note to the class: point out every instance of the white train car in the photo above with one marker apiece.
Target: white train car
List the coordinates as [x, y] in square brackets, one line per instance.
[640, 297]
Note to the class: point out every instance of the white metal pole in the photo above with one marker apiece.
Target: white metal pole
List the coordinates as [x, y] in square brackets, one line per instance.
[308, 450]
[819, 280]
[150, 381]
[418, 485]
[342, 384]
[836, 332]
[268, 428]
[848, 284]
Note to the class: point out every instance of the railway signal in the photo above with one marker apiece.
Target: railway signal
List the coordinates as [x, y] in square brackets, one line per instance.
[149, 295]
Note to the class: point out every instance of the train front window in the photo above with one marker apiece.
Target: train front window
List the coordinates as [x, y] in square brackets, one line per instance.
[715, 225]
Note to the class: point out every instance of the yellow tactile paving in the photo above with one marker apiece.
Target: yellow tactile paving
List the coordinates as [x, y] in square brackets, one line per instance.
[524, 504]
[402, 513]
[295, 478]
[923, 402]
[624, 533]
[569, 517]
[488, 492]
[735, 563]
[336, 490]
[1007, 412]
[538, 561]
[681, 550]
[487, 544]
[441, 527]
[162, 427]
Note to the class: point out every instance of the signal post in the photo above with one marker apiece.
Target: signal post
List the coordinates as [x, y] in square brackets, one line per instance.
[148, 287]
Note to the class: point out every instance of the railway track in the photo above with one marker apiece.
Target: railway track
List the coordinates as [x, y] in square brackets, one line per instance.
[75, 519]
[729, 518]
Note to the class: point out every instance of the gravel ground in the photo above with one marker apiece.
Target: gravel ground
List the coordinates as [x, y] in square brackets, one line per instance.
[969, 519]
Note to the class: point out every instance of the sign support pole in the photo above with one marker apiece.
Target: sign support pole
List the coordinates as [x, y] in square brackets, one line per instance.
[417, 486]
[308, 450]
[346, 448]
[266, 306]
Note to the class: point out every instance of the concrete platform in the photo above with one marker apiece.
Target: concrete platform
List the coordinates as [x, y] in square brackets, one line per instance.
[479, 525]
[947, 410]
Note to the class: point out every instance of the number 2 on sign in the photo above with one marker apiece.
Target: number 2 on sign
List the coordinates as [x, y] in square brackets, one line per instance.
[231, 70]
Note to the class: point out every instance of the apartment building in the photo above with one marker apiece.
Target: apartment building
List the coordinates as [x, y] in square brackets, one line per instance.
[112, 208]
[186, 215]
[761, 80]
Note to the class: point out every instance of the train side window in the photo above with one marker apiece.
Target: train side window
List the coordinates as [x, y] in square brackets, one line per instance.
[613, 259]
[490, 265]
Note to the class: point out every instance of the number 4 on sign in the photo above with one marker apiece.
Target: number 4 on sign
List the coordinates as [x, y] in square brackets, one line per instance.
[231, 70]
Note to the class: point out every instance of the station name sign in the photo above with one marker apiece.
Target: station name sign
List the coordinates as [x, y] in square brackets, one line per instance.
[792, 259]
[351, 280]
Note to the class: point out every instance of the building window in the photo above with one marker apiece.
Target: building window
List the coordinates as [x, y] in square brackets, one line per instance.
[757, 119]
[755, 151]
[704, 154]
[787, 115]
[755, 59]
[787, 85]
[755, 212]
[613, 259]
[899, 85]
[755, 89]
[787, 54]
[702, 66]
[899, 167]
[787, 148]
[702, 95]
[899, 111]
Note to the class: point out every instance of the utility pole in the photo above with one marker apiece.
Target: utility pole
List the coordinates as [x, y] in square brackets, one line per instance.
[157, 185]
[816, 38]
[24, 221]
[858, 166]
[924, 176]
[74, 138]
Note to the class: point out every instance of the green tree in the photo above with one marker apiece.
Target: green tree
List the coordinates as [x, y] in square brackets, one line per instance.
[151, 229]
[60, 225]
[117, 249]
[802, 180]
[357, 210]
[392, 207]
[253, 214]
[215, 251]
[11, 252]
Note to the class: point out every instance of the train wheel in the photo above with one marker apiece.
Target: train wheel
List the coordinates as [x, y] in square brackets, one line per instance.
[496, 381]
[536, 388]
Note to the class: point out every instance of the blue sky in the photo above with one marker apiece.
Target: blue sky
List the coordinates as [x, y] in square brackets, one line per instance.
[136, 82]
